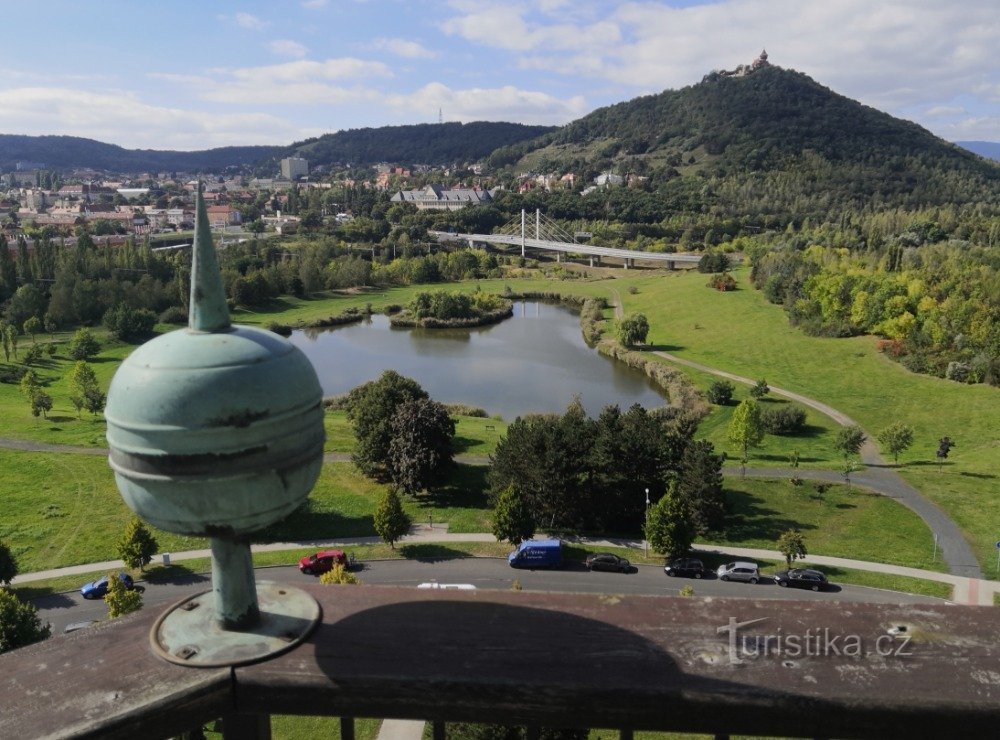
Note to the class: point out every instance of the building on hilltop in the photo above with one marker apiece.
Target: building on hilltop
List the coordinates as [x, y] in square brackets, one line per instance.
[744, 69]
[436, 197]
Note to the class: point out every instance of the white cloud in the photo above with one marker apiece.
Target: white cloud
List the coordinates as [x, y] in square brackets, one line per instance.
[944, 110]
[314, 4]
[506, 103]
[123, 119]
[250, 22]
[404, 48]
[287, 48]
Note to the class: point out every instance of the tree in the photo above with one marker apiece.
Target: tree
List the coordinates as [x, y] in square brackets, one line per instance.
[121, 600]
[137, 546]
[512, 519]
[699, 486]
[720, 392]
[391, 522]
[8, 564]
[896, 438]
[668, 527]
[82, 384]
[10, 341]
[632, 330]
[30, 384]
[792, 546]
[32, 326]
[19, 623]
[944, 447]
[760, 389]
[339, 575]
[129, 323]
[420, 445]
[83, 344]
[745, 429]
[33, 355]
[41, 404]
[5, 340]
[849, 441]
[370, 407]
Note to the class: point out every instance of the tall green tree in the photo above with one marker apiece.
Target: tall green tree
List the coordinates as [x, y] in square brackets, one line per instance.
[849, 441]
[390, 521]
[83, 344]
[669, 529]
[83, 386]
[10, 341]
[896, 438]
[32, 325]
[121, 600]
[8, 564]
[137, 546]
[19, 623]
[5, 340]
[370, 408]
[512, 519]
[699, 486]
[420, 446]
[41, 404]
[746, 430]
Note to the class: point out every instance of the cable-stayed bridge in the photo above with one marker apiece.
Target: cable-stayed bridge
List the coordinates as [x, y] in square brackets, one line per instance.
[545, 234]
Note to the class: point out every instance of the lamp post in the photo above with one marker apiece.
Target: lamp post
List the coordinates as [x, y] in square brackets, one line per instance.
[645, 540]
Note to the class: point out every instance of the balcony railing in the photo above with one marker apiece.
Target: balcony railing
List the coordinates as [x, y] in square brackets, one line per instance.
[541, 660]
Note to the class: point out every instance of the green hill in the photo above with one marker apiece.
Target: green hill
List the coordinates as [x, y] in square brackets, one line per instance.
[66, 152]
[428, 143]
[771, 141]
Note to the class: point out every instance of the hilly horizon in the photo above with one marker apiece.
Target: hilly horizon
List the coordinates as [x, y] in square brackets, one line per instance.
[772, 131]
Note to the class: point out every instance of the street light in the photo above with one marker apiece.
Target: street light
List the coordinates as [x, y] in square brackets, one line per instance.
[645, 541]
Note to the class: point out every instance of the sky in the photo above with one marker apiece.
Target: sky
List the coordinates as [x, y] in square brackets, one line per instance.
[196, 75]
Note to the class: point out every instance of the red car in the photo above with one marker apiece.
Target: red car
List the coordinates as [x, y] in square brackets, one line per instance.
[322, 561]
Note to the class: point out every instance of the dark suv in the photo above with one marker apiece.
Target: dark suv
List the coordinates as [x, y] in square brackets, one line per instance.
[802, 578]
[687, 567]
[608, 561]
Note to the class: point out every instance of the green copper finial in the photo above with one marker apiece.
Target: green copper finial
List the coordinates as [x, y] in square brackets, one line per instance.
[208, 311]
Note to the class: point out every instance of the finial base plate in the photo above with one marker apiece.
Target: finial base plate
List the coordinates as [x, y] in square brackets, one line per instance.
[189, 634]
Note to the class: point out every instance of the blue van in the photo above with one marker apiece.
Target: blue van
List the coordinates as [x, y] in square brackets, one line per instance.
[537, 554]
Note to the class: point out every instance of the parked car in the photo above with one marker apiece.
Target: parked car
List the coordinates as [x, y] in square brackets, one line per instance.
[322, 561]
[687, 567]
[802, 578]
[99, 589]
[739, 570]
[608, 561]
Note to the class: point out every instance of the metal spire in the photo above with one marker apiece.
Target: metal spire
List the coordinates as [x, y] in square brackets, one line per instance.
[207, 311]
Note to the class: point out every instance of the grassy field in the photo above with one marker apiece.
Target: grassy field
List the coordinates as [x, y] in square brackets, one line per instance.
[737, 331]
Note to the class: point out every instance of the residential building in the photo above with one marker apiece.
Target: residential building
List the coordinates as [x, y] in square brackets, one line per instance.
[294, 167]
[219, 217]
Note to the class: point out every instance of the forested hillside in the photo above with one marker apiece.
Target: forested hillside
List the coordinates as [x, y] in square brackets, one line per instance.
[438, 143]
[771, 143]
[64, 152]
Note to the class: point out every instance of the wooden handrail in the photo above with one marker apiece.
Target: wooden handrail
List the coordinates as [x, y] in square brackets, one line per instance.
[543, 659]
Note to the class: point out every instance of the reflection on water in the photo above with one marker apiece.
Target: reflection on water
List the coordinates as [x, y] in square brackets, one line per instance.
[535, 361]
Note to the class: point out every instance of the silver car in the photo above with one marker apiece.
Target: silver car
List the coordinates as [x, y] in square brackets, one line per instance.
[739, 570]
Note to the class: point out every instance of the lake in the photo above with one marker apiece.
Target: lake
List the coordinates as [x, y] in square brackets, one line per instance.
[535, 361]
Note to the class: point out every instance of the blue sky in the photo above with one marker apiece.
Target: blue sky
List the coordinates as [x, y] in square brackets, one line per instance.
[196, 75]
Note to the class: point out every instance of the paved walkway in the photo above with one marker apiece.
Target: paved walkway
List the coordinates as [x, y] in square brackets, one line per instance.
[877, 476]
[401, 729]
[964, 590]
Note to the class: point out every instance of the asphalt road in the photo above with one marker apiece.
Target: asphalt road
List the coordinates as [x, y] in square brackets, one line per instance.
[484, 573]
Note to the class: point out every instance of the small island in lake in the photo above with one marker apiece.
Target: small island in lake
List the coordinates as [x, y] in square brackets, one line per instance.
[443, 310]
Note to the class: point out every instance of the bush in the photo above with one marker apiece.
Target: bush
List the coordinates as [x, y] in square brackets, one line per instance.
[713, 262]
[83, 345]
[958, 371]
[174, 315]
[129, 323]
[723, 281]
[283, 330]
[783, 420]
[720, 392]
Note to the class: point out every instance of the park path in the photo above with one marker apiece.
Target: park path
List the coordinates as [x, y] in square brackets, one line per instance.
[877, 475]
[964, 590]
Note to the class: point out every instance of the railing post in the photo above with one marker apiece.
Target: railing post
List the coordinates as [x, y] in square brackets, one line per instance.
[347, 728]
[438, 730]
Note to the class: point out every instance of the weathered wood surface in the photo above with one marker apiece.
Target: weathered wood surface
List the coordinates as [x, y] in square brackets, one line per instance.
[104, 681]
[541, 659]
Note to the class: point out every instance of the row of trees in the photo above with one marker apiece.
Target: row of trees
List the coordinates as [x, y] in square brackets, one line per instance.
[577, 473]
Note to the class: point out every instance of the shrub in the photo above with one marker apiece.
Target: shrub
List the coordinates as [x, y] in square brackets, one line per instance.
[174, 315]
[783, 420]
[720, 392]
[958, 371]
[83, 345]
[129, 323]
[723, 281]
[283, 330]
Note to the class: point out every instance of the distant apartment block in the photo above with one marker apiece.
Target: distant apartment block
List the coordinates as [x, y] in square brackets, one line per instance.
[436, 197]
[294, 167]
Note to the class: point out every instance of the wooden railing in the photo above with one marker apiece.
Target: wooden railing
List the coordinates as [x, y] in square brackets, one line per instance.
[540, 660]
